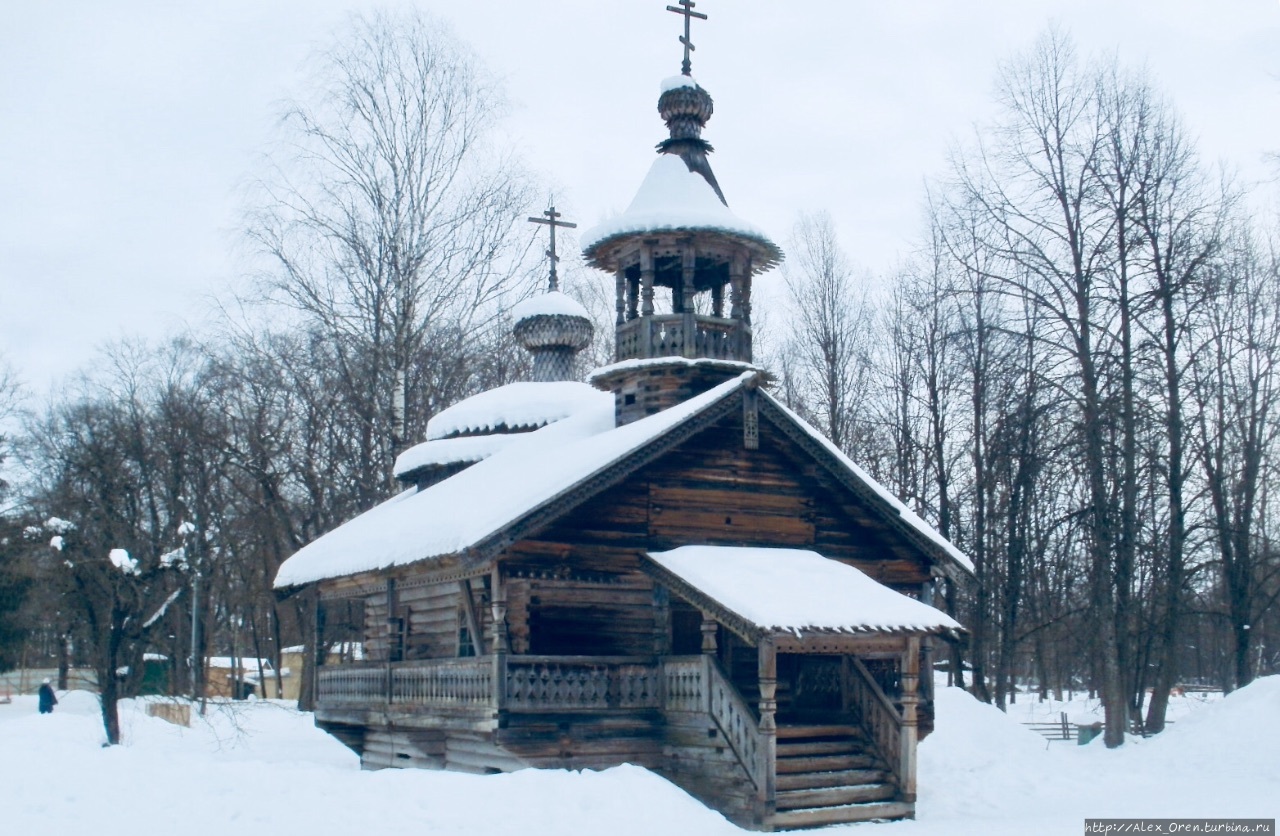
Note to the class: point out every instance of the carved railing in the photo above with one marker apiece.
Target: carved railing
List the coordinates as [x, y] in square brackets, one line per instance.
[684, 683]
[432, 683]
[737, 722]
[351, 684]
[575, 683]
[443, 683]
[683, 335]
[878, 715]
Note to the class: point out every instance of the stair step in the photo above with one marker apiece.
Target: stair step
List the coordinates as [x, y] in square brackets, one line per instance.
[818, 747]
[835, 796]
[818, 816]
[824, 763]
[832, 730]
[839, 778]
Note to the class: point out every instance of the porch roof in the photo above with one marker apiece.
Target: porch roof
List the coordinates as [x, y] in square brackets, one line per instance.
[790, 591]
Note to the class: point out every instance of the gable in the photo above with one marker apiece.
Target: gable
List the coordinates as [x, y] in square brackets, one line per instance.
[710, 489]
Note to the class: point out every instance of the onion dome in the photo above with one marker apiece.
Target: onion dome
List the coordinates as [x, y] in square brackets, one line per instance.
[553, 328]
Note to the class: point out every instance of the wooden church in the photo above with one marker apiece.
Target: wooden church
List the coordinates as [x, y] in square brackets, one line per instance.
[664, 567]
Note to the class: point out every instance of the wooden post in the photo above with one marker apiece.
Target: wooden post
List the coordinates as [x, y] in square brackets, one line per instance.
[926, 662]
[709, 627]
[646, 281]
[688, 267]
[498, 596]
[621, 281]
[469, 612]
[768, 672]
[909, 680]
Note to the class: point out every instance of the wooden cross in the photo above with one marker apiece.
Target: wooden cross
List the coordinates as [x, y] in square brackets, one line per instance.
[550, 220]
[686, 9]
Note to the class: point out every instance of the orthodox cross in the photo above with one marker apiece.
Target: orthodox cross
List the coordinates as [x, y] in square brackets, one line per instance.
[550, 220]
[686, 9]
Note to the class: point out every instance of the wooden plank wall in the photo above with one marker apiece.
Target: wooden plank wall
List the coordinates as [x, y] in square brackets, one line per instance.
[433, 613]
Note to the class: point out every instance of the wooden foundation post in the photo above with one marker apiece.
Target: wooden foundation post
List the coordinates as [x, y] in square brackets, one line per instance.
[910, 679]
[768, 672]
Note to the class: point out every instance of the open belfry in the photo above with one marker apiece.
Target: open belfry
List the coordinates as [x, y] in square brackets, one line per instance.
[664, 566]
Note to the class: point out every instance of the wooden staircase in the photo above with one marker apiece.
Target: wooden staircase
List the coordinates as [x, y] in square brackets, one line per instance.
[829, 774]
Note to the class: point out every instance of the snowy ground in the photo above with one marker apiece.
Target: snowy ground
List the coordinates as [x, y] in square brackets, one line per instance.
[263, 768]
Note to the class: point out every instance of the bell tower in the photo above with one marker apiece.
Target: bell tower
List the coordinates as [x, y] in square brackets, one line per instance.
[682, 264]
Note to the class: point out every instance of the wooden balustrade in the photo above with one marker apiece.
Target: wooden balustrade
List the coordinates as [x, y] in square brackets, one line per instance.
[878, 715]
[432, 683]
[737, 722]
[681, 335]
[351, 684]
[684, 684]
[574, 683]
[443, 683]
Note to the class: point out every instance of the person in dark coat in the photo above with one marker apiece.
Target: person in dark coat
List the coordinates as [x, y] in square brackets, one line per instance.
[47, 698]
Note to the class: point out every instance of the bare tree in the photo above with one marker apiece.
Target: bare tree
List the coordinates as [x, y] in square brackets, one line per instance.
[832, 319]
[390, 215]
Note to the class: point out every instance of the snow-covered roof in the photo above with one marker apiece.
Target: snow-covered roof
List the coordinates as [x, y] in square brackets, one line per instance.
[516, 406]
[673, 198]
[908, 516]
[530, 472]
[244, 662]
[551, 303]
[462, 511]
[446, 451]
[791, 590]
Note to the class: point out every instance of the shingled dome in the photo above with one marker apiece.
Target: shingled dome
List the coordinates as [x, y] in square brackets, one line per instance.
[553, 328]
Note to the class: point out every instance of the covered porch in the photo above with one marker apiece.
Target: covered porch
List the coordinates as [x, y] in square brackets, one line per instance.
[823, 665]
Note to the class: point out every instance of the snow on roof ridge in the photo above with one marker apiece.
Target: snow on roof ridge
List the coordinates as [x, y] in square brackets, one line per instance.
[671, 360]
[444, 451]
[516, 405]
[465, 509]
[670, 198]
[797, 589]
[551, 303]
[909, 516]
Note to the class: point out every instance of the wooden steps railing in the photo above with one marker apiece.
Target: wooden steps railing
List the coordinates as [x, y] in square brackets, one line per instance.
[878, 715]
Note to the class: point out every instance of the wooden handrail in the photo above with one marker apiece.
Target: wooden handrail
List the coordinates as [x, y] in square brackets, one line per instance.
[736, 721]
[877, 713]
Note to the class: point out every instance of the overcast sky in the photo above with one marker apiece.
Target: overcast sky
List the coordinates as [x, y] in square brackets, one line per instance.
[127, 129]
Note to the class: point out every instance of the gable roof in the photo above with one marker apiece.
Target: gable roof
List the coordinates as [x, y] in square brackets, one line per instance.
[793, 591]
[486, 499]
[540, 475]
[860, 482]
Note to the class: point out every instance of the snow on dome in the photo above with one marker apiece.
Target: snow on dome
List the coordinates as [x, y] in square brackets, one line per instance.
[673, 198]
[675, 82]
[446, 451]
[516, 406]
[795, 590]
[551, 303]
